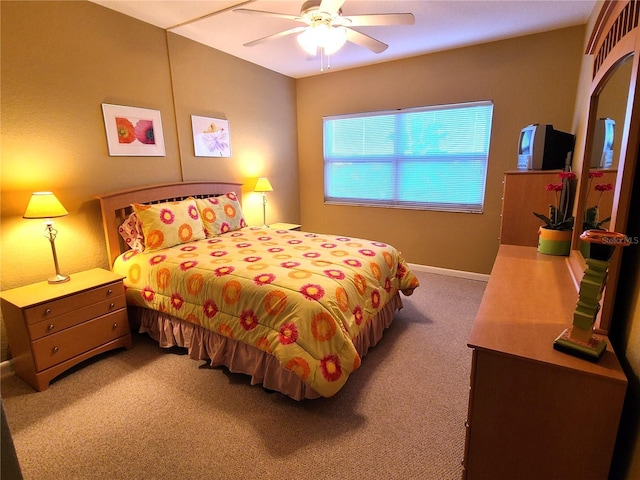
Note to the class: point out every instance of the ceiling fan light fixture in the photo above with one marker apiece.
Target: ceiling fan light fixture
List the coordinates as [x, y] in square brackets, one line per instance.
[320, 34]
[334, 40]
[308, 41]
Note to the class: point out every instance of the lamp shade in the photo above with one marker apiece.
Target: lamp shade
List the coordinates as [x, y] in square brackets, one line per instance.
[263, 185]
[44, 205]
[322, 35]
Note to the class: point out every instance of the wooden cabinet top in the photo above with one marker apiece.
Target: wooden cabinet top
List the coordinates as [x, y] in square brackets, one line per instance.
[41, 292]
[528, 302]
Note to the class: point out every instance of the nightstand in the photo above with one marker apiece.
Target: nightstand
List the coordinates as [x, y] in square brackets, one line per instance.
[285, 226]
[51, 328]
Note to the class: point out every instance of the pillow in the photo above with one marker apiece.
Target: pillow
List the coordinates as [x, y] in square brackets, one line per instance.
[221, 214]
[131, 232]
[169, 223]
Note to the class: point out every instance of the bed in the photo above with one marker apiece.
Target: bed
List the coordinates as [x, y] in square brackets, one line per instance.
[296, 311]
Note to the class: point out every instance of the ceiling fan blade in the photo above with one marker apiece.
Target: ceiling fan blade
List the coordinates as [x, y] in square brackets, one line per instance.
[275, 35]
[270, 14]
[331, 6]
[376, 46]
[378, 19]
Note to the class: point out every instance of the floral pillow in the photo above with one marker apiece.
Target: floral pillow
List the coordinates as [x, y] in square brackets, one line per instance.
[131, 232]
[221, 214]
[170, 223]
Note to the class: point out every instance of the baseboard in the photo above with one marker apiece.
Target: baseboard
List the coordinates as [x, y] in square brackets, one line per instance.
[6, 368]
[481, 277]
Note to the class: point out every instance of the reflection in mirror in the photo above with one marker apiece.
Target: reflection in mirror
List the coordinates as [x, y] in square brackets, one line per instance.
[605, 151]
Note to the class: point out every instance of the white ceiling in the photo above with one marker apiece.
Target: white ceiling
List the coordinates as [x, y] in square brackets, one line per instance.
[439, 25]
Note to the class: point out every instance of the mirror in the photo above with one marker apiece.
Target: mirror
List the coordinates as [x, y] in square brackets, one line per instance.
[615, 47]
[605, 154]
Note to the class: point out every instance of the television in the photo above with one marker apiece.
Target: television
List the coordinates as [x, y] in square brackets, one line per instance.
[603, 136]
[541, 147]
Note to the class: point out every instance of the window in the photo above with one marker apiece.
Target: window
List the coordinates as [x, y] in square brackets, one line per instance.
[430, 158]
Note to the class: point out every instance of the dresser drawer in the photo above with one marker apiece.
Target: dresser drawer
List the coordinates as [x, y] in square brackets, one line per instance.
[65, 305]
[60, 322]
[58, 347]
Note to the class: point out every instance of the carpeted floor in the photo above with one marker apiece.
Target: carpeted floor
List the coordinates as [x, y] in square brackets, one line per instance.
[151, 414]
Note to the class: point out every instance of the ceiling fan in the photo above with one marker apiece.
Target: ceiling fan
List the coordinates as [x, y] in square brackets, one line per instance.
[327, 30]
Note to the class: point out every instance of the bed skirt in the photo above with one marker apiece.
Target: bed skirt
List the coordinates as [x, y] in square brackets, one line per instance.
[262, 367]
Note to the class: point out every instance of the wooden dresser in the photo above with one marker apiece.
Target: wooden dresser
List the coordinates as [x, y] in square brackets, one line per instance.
[534, 412]
[54, 327]
[525, 192]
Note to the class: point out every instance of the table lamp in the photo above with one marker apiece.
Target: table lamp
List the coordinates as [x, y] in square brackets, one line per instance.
[46, 205]
[263, 186]
[579, 340]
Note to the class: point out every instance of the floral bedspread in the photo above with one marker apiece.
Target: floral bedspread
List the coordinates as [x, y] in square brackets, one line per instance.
[300, 296]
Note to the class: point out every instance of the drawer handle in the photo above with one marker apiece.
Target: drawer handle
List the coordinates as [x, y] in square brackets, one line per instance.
[109, 292]
[111, 305]
[466, 423]
[115, 326]
[47, 311]
[55, 350]
[51, 327]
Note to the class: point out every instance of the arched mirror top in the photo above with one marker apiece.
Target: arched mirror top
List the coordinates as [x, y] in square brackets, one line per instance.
[612, 38]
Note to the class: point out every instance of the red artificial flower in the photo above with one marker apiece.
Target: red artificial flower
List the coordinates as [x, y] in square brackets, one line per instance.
[567, 175]
[559, 217]
[596, 174]
[603, 187]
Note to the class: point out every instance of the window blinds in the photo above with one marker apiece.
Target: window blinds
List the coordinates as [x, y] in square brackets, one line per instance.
[429, 157]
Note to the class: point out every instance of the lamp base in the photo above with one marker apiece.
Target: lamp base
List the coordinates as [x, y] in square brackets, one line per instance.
[591, 350]
[59, 279]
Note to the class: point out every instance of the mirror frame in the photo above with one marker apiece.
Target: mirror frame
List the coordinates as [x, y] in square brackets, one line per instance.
[614, 37]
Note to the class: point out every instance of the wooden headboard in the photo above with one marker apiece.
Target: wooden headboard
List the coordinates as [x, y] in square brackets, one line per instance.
[116, 206]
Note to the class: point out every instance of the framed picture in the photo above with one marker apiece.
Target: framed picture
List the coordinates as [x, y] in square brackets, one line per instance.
[210, 137]
[133, 131]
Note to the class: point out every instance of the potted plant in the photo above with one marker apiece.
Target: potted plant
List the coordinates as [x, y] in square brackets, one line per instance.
[591, 219]
[554, 237]
[591, 215]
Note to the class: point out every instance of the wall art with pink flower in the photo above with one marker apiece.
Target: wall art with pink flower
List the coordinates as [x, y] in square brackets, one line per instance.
[210, 137]
[133, 131]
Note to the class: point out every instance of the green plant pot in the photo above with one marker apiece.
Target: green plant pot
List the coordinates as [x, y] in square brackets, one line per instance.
[585, 249]
[554, 242]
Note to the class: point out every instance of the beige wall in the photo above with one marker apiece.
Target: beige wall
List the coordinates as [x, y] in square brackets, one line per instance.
[260, 106]
[531, 79]
[60, 62]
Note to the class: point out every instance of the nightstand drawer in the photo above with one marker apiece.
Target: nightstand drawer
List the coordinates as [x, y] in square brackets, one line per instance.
[61, 306]
[61, 346]
[75, 317]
